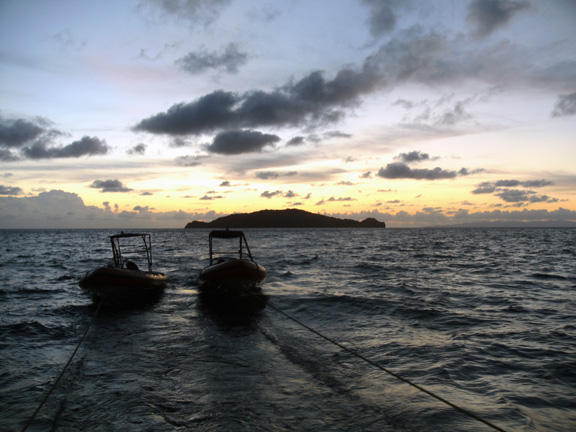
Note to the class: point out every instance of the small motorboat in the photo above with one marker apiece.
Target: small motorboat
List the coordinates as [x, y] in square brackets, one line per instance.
[233, 277]
[122, 283]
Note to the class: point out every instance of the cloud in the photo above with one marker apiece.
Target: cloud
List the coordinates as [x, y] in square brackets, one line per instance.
[139, 149]
[229, 60]
[382, 17]
[189, 161]
[412, 55]
[194, 11]
[67, 40]
[109, 186]
[565, 106]
[413, 156]
[59, 209]
[491, 187]
[403, 171]
[518, 196]
[341, 199]
[298, 140]
[87, 146]
[268, 194]
[34, 139]
[10, 190]
[311, 101]
[17, 132]
[241, 141]
[488, 15]
[501, 189]
[267, 175]
[279, 193]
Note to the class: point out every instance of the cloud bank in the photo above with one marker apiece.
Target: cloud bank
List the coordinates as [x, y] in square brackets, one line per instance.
[35, 139]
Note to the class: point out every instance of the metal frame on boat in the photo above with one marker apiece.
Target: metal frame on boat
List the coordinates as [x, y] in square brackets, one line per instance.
[123, 283]
[232, 277]
[224, 267]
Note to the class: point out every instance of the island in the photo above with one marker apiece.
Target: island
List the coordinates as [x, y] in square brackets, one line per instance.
[289, 218]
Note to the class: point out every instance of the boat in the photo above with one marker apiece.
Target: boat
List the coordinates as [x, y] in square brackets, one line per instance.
[123, 283]
[232, 278]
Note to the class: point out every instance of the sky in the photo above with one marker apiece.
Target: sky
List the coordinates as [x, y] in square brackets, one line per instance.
[154, 113]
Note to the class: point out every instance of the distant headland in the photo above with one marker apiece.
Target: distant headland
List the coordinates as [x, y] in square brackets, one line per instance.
[289, 218]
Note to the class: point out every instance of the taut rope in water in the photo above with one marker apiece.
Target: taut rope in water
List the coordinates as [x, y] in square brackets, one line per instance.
[382, 368]
[63, 371]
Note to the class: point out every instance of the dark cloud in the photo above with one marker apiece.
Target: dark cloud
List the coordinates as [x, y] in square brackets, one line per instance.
[211, 197]
[413, 156]
[403, 171]
[312, 101]
[298, 140]
[241, 141]
[7, 156]
[225, 183]
[109, 186]
[491, 187]
[520, 196]
[526, 183]
[141, 209]
[484, 188]
[179, 141]
[15, 133]
[332, 199]
[138, 149]
[267, 175]
[501, 189]
[206, 114]
[335, 134]
[229, 60]
[10, 190]
[34, 139]
[278, 193]
[488, 15]
[565, 106]
[268, 194]
[87, 146]
[382, 17]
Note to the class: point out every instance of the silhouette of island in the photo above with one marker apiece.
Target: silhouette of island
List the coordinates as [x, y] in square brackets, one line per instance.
[289, 218]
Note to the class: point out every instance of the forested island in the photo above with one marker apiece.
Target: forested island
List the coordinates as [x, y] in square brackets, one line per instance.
[289, 218]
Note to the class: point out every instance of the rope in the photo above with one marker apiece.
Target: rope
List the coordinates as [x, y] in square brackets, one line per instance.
[395, 375]
[63, 371]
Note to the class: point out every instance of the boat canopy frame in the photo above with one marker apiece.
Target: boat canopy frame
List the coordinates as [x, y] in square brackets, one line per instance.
[119, 261]
[243, 248]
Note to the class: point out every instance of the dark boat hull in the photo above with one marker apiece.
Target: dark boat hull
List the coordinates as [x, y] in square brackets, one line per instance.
[243, 271]
[123, 287]
[233, 286]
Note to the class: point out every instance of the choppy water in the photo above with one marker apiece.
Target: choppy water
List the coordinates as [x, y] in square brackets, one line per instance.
[485, 318]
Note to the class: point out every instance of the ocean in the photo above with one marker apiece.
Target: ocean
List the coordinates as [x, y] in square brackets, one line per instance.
[483, 318]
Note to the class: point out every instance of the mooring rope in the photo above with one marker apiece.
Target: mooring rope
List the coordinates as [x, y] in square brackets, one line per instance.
[63, 371]
[382, 368]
